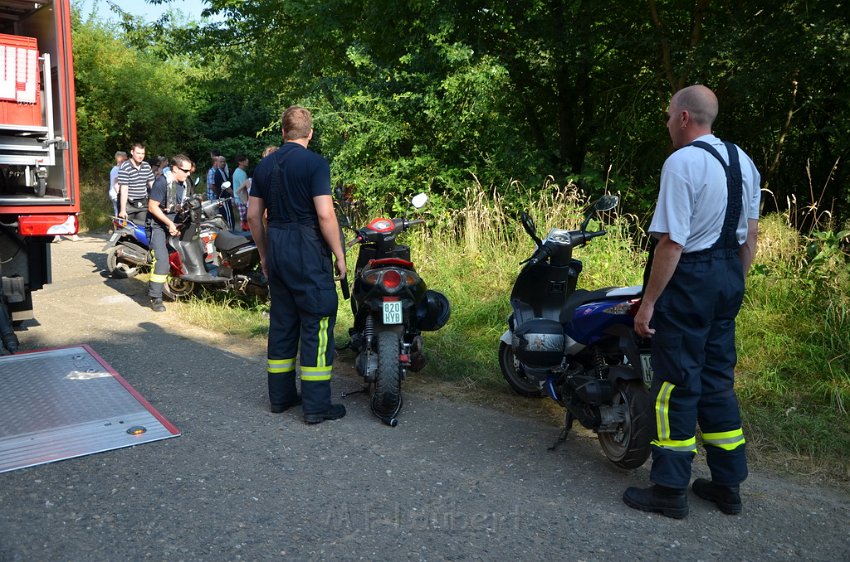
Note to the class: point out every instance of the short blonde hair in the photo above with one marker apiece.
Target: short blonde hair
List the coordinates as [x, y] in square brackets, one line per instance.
[297, 122]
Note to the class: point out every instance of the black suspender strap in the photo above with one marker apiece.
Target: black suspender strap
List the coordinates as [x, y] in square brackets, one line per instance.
[734, 191]
[277, 185]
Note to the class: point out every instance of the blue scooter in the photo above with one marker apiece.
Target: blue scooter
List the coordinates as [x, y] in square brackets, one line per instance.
[579, 347]
[127, 252]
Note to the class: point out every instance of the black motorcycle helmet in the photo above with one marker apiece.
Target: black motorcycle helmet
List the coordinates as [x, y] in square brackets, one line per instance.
[433, 311]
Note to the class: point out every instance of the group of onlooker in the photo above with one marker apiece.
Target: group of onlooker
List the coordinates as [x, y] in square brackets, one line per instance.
[139, 175]
[150, 193]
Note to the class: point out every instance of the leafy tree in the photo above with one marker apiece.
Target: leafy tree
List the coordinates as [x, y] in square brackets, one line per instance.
[411, 94]
[124, 96]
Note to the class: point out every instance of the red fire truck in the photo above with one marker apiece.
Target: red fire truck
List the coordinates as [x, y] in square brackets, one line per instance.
[39, 187]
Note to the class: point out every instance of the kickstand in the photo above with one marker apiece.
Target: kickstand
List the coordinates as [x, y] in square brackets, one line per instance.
[568, 425]
[364, 389]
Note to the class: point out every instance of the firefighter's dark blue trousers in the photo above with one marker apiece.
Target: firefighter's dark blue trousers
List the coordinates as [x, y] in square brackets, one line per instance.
[159, 253]
[302, 317]
[693, 356]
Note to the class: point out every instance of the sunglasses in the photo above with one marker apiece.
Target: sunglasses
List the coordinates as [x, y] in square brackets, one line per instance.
[189, 171]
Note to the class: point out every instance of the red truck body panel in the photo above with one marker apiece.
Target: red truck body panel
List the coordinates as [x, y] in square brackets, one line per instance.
[39, 175]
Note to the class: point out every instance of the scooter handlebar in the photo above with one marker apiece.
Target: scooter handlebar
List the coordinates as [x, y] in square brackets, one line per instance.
[541, 253]
[587, 236]
[354, 241]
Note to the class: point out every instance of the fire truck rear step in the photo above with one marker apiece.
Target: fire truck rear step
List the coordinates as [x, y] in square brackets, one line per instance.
[64, 403]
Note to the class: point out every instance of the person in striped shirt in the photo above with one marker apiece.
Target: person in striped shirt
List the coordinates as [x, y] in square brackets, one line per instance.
[135, 177]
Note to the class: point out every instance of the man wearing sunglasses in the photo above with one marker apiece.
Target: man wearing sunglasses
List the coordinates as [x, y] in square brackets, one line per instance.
[164, 200]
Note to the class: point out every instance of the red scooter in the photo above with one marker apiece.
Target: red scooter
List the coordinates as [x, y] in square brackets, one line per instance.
[392, 306]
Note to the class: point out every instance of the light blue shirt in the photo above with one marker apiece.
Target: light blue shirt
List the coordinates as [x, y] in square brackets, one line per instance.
[239, 176]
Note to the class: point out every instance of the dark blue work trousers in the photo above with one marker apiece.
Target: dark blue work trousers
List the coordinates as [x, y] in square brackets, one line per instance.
[693, 356]
[158, 240]
[303, 301]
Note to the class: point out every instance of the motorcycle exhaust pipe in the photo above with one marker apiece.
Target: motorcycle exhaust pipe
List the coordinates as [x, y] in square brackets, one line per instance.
[133, 254]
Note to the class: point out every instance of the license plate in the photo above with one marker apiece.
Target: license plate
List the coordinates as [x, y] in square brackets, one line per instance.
[392, 312]
[646, 367]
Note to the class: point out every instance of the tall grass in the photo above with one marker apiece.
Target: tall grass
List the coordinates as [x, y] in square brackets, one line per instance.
[793, 331]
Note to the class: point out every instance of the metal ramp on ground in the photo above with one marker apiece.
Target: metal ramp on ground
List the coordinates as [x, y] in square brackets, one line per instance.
[64, 403]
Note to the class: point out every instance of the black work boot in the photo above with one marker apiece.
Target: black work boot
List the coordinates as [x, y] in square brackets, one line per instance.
[7, 330]
[317, 402]
[282, 392]
[669, 502]
[727, 498]
[156, 304]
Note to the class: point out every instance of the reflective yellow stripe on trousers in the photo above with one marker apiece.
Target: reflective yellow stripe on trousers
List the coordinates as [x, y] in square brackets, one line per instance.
[322, 350]
[662, 421]
[281, 365]
[726, 440]
[321, 372]
[156, 277]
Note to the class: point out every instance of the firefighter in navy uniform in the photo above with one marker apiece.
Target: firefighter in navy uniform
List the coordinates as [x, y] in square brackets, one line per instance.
[705, 226]
[163, 202]
[296, 248]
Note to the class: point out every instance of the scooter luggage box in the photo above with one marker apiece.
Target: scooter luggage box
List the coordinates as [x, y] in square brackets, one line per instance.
[539, 343]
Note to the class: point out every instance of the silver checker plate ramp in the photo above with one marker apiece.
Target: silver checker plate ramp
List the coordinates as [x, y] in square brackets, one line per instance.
[65, 403]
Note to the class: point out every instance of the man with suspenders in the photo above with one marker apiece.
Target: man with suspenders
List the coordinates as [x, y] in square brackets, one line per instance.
[705, 226]
[297, 247]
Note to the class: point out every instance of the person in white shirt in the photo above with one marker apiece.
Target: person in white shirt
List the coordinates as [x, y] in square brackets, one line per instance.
[120, 157]
[705, 226]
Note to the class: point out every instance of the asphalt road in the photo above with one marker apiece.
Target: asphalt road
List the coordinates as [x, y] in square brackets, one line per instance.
[451, 482]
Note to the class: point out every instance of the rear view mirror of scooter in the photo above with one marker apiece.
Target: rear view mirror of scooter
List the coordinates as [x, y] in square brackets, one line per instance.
[344, 207]
[530, 228]
[419, 200]
[604, 203]
[416, 202]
